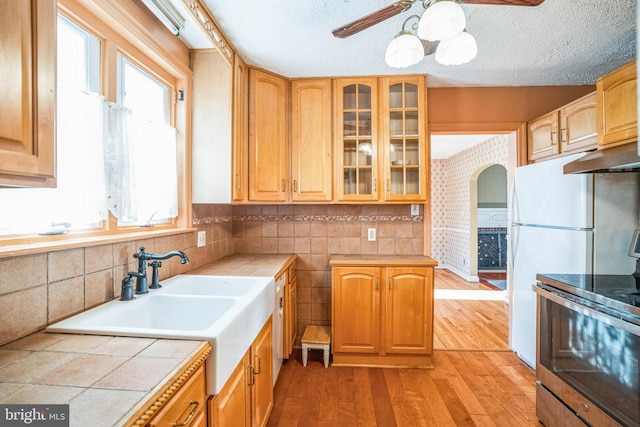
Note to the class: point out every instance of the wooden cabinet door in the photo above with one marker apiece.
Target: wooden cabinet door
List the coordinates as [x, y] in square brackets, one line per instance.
[578, 125]
[262, 371]
[240, 144]
[409, 310]
[186, 406]
[543, 137]
[27, 84]
[617, 118]
[312, 142]
[356, 135]
[268, 151]
[403, 124]
[355, 305]
[232, 406]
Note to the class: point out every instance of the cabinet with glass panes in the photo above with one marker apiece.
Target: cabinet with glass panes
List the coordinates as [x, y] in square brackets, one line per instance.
[403, 137]
[356, 113]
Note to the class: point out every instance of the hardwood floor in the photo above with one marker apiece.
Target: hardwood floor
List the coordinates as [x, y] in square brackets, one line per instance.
[466, 388]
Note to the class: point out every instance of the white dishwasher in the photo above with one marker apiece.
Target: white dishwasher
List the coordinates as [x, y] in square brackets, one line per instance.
[277, 321]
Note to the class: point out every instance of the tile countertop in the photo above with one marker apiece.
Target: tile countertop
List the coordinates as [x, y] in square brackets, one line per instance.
[106, 380]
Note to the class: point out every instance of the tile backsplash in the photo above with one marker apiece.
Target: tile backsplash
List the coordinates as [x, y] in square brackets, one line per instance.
[36, 290]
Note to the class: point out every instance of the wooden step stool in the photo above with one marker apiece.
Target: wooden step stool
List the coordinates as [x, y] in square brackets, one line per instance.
[316, 338]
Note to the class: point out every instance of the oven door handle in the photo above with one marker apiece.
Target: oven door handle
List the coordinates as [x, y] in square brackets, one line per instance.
[587, 311]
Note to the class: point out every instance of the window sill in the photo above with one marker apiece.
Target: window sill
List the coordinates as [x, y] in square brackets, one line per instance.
[86, 241]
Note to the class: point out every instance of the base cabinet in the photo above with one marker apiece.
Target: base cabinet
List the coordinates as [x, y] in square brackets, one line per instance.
[382, 311]
[247, 397]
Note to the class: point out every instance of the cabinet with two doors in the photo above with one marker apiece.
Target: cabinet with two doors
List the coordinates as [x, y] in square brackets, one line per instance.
[382, 310]
[351, 140]
[569, 129]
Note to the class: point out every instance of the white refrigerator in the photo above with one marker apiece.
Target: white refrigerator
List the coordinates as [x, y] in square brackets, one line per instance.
[551, 231]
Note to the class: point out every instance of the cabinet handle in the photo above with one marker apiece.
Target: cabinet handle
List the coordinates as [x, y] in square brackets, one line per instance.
[552, 138]
[252, 376]
[377, 283]
[284, 185]
[390, 282]
[375, 185]
[259, 365]
[238, 181]
[295, 185]
[191, 414]
[388, 185]
[563, 135]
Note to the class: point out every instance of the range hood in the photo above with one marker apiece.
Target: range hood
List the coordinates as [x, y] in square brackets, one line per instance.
[623, 158]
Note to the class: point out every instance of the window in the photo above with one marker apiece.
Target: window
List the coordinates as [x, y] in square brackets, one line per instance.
[101, 70]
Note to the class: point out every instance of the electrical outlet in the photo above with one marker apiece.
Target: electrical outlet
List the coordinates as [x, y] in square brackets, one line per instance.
[371, 234]
[202, 238]
[415, 210]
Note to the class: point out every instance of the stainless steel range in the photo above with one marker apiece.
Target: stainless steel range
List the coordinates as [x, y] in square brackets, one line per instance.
[587, 365]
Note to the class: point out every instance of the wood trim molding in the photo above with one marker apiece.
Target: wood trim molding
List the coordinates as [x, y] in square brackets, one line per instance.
[153, 405]
[204, 19]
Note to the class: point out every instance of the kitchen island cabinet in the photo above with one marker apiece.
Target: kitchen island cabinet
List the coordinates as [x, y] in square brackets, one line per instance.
[382, 310]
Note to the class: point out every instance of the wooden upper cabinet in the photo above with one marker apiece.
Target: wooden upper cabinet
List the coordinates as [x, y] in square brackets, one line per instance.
[240, 145]
[356, 136]
[578, 131]
[403, 103]
[617, 108]
[312, 142]
[27, 84]
[543, 136]
[268, 144]
[409, 310]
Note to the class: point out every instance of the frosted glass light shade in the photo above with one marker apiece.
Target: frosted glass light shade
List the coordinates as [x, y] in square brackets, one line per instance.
[441, 20]
[457, 50]
[404, 50]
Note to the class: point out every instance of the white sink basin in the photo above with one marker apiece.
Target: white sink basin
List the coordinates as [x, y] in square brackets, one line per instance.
[227, 311]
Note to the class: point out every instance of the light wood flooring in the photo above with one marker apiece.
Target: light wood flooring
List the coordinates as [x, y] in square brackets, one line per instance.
[476, 381]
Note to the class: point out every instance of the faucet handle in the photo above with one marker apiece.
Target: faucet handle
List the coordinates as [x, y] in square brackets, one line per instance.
[126, 291]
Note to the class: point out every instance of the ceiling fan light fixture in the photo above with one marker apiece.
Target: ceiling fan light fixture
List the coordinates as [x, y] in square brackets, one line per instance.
[457, 50]
[441, 20]
[404, 50]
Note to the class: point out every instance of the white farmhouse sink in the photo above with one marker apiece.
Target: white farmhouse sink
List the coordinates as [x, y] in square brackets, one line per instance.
[228, 311]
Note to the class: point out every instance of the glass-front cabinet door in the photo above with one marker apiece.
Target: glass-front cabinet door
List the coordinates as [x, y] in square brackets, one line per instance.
[404, 138]
[356, 139]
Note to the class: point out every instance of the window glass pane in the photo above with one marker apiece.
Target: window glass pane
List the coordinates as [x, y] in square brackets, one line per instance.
[142, 94]
[78, 201]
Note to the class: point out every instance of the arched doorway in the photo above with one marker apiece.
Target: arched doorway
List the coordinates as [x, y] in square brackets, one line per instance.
[488, 219]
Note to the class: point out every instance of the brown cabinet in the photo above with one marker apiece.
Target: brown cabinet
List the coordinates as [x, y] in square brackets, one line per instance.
[291, 311]
[246, 399]
[268, 143]
[569, 129]
[312, 142]
[187, 407]
[382, 310]
[27, 83]
[240, 146]
[617, 108]
[403, 102]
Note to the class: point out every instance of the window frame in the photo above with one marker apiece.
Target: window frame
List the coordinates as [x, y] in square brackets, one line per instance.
[126, 28]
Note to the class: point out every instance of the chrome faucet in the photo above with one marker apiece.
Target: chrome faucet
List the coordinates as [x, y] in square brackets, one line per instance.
[142, 282]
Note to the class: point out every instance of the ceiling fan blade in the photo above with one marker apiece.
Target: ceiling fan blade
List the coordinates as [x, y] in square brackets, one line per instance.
[504, 2]
[372, 19]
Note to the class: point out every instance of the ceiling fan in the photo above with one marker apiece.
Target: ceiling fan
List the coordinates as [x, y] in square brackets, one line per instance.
[403, 5]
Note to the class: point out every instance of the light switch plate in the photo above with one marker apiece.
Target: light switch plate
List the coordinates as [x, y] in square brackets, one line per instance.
[202, 238]
[415, 210]
[371, 234]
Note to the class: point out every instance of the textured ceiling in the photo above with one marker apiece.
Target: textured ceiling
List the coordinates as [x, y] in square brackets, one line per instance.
[561, 42]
